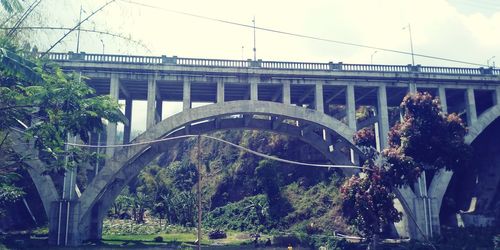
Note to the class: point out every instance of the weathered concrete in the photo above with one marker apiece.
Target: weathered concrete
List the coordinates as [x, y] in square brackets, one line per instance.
[114, 91]
[310, 82]
[471, 106]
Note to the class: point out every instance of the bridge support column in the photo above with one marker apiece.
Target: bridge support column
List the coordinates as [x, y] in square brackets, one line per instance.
[152, 103]
[220, 91]
[351, 115]
[471, 107]
[186, 94]
[286, 92]
[383, 117]
[114, 91]
[496, 97]
[128, 127]
[318, 97]
[442, 99]
[254, 89]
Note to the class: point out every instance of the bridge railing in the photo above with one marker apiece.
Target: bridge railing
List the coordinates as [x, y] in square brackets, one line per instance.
[164, 60]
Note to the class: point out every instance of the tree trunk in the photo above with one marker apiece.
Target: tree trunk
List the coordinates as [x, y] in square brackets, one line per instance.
[373, 243]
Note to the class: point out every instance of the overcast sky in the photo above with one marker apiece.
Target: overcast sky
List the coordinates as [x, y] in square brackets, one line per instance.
[456, 29]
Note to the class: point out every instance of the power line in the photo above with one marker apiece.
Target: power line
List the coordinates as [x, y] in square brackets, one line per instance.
[300, 35]
[84, 30]
[274, 158]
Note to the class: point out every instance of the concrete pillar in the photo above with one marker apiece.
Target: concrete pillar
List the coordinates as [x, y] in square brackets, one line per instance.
[442, 99]
[254, 91]
[318, 97]
[220, 91]
[383, 116]
[128, 114]
[151, 109]
[186, 94]
[412, 88]
[351, 115]
[351, 107]
[496, 96]
[114, 91]
[471, 106]
[159, 109]
[286, 92]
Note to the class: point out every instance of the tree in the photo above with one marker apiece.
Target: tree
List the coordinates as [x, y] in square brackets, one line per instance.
[48, 106]
[425, 139]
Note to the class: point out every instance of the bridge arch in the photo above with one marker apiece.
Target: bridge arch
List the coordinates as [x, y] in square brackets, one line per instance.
[482, 123]
[129, 161]
[442, 179]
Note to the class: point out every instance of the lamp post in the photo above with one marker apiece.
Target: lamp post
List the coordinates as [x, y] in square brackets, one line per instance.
[102, 42]
[254, 41]
[371, 57]
[489, 60]
[411, 45]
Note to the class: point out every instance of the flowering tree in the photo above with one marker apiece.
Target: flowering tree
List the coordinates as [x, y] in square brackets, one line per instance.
[426, 138]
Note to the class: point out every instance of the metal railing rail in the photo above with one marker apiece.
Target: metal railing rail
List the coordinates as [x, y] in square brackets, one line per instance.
[222, 63]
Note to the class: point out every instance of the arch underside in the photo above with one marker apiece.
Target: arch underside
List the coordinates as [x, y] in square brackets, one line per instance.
[305, 124]
[474, 135]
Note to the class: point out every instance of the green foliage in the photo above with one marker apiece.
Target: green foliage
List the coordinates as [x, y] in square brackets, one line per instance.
[10, 6]
[249, 214]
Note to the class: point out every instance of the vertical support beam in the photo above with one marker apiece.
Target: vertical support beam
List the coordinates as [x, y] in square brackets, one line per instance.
[351, 115]
[220, 91]
[128, 127]
[286, 92]
[159, 110]
[412, 88]
[496, 97]
[254, 90]
[383, 116]
[318, 97]
[351, 107]
[114, 91]
[471, 106]
[442, 99]
[151, 109]
[186, 94]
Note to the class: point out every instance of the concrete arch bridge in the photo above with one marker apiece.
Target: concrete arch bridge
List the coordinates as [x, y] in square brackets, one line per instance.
[315, 102]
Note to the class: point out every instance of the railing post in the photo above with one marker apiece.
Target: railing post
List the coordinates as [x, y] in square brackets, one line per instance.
[486, 71]
[76, 57]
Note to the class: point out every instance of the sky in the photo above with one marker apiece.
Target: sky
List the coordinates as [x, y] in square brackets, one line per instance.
[463, 30]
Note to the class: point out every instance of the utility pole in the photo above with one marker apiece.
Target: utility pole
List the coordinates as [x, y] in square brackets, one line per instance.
[411, 45]
[254, 41]
[198, 190]
[78, 34]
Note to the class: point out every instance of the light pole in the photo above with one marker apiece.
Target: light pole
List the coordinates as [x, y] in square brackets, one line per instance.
[371, 57]
[254, 41]
[242, 49]
[411, 44]
[489, 60]
[102, 42]
[78, 34]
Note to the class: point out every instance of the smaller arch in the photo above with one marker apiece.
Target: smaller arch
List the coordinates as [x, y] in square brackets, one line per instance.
[43, 182]
[482, 123]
